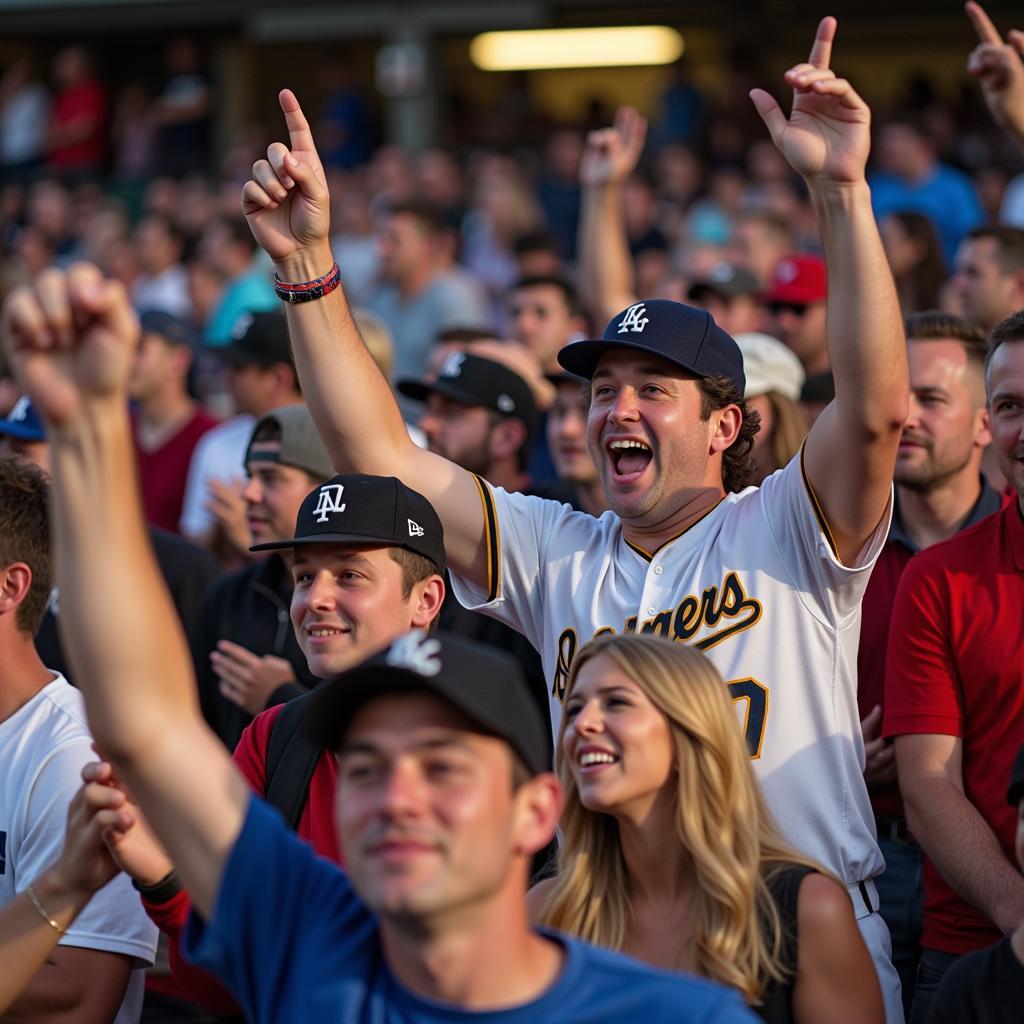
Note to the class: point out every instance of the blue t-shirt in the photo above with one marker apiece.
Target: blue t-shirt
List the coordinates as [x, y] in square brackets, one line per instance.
[293, 942]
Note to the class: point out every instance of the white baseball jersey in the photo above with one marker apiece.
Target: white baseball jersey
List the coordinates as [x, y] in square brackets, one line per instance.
[755, 584]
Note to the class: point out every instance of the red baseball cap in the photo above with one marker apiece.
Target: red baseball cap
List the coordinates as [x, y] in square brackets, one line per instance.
[799, 279]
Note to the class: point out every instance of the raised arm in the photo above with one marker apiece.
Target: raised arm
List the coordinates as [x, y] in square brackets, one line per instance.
[71, 339]
[606, 271]
[1000, 71]
[287, 206]
[850, 453]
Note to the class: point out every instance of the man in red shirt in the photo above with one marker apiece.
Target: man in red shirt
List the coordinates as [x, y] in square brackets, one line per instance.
[367, 559]
[167, 422]
[939, 491]
[955, 700]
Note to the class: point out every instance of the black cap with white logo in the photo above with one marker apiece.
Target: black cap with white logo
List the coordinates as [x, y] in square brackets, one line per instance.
[358, 509]
[473, 380]
[684, 335]
[486, 685]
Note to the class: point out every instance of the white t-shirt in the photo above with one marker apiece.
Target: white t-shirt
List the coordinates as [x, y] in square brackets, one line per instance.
[43, 747]
[218, 455]
[757, 586]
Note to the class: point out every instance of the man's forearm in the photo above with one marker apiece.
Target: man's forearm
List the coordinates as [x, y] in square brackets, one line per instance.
[607, 273]
[864, 327]
[965, 850]
[350, 400]
[123, 637]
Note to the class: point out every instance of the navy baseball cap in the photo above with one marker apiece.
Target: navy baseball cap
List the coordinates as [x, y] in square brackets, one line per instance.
[472, 380]
[486, 685]
[358, 509]
[684, 335]
[172, 329]
[23, 422]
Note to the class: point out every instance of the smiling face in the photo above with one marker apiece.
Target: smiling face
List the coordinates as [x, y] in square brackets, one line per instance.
[428, 815]
[1004, 382]
[647, 438]
[348, 603]
[615, 742]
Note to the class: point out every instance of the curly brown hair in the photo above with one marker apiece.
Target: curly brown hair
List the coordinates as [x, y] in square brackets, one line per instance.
[739, 467]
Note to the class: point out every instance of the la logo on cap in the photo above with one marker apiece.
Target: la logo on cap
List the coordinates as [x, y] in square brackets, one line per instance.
[635, 320]
[452, 366]
[416, 651]
[329, 501]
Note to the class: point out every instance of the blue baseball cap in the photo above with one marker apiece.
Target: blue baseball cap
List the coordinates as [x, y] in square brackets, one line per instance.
[23, 422]
[171, 328]
[684, 335]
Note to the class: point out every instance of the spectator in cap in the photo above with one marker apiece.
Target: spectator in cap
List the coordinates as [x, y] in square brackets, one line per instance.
[566, 428]
[986, 985]
[774, 379]
[167, 423]
[187, 569]
[245, 654]
[796, 305]
[732, 295]
[260, 376]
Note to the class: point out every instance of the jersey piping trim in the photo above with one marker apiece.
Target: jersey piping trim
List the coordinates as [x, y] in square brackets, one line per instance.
[819, 513]
[492, 539]
[649, 557]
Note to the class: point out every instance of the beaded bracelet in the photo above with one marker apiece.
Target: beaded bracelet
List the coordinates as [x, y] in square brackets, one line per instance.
[307, 291]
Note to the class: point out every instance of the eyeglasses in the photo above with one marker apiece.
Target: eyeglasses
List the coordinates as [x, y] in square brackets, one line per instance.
[796, 308]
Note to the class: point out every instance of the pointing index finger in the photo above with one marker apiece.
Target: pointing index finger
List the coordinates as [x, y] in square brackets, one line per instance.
[987, 32]
[299, 136]
[821, 51]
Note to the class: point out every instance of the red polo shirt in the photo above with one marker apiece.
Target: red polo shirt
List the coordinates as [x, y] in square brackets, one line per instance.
[956, 668]
[876, 617]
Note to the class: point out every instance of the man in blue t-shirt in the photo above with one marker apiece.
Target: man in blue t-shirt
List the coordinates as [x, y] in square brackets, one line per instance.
[444, 791]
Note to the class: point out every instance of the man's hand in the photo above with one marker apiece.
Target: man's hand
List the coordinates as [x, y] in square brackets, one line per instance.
[247, 679]
[999, 70]
[879, 754]
[286, 202]
[228, 508]
[70, 338]
[85, 864]
[828, 134]
[612, 153]
[126, 837]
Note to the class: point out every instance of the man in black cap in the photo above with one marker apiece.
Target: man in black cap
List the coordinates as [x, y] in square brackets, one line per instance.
[259, 375]
[480, 415]
[768, 582]
[988, 985]
[167, 423]
[732, 295]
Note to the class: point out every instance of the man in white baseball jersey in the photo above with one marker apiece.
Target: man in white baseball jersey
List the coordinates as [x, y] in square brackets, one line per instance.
[767, 581]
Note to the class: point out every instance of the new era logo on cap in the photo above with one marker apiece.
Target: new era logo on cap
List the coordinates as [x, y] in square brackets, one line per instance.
[329, 501]
[635, 320]
[415, 530]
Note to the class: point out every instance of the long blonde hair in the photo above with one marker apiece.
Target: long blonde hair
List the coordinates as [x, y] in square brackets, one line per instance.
[731, 842]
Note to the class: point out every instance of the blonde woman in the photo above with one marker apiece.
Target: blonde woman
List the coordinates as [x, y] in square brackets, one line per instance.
[669, 853]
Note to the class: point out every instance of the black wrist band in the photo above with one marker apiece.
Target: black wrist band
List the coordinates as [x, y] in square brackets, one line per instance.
[160, 892]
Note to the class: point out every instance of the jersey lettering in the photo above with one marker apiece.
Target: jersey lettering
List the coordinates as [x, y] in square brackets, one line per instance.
[566, 652]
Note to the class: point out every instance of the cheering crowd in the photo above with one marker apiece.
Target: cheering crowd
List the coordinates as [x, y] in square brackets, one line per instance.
[409, 614]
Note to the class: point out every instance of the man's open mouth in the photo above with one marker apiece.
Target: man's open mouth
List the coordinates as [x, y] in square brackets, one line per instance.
[629, 457]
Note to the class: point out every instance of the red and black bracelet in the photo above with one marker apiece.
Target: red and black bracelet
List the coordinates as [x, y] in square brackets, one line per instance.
[307, 291]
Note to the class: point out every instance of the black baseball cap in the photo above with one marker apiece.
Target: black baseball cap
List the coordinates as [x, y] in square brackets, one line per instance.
[486, 685]
[727, 280]
[684, 335]
[357, 509]
[260, 339]
[1016, 790]
[172, 329]
[472, 380]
